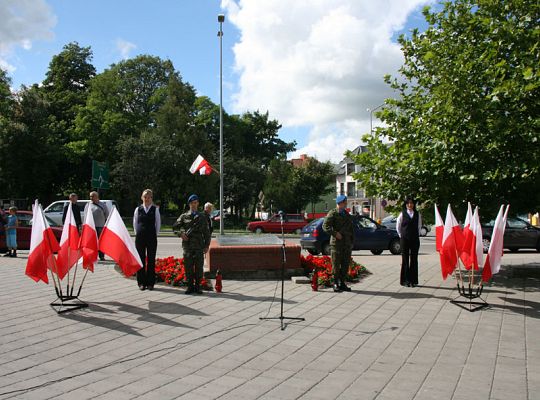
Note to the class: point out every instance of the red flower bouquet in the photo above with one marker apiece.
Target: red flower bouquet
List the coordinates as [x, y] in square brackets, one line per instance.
[171, 271]
[323, 265]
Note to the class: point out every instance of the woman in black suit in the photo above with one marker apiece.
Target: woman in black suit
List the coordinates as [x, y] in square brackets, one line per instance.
[146, 223]
[408, 227]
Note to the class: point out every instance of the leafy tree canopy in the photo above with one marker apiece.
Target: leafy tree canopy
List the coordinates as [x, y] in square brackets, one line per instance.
[464, 125]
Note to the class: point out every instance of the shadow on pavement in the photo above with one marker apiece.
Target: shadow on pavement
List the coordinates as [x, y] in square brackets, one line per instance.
[143, 314]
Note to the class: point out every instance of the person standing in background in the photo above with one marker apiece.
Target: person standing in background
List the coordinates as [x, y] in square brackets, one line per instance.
[408, 225]
[146, 223]
[101, 213]
[11, 232]
[76, 210]
[208, 208]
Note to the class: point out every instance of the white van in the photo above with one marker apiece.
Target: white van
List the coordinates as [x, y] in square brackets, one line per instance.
[55, 210]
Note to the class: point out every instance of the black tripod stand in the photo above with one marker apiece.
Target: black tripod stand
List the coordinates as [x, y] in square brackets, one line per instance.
[283, 261]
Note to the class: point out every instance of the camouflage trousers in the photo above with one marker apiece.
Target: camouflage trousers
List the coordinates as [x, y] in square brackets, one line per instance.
[341, 258]
[193, 264]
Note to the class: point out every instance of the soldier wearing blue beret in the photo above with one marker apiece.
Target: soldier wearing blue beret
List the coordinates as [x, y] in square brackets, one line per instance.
[193, 229]
[339, 225]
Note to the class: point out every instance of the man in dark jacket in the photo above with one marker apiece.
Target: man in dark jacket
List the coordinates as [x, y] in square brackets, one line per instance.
[193, 229]
[339, 225]
[75, 209]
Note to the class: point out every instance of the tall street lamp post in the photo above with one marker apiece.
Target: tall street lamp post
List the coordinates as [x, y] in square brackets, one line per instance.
[221, 19]
[370, 110]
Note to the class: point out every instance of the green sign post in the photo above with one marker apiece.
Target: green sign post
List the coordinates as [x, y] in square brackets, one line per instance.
[100, 175]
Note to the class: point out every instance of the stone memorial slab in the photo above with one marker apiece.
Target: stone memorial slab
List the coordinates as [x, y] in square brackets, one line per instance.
[249, 240]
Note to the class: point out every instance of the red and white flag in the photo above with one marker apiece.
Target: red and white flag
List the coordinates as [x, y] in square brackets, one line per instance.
[439, 229]
[116, 243]
[464, 251]
[69, 245]
[476, 252]
[449, 246]
[43, 244]
[201, 165]
[495, 252]
[89, 240]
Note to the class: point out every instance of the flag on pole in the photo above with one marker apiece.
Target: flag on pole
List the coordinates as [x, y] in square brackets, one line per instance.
[201, 165]
[116, 243]
[69, 245]
[43, 244]
[439, 229]
[495, 252]
[89, 240]
[464, 251]
[476, 251]
[449, 249]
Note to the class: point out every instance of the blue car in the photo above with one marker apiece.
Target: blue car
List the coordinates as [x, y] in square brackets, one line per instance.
[368, 235]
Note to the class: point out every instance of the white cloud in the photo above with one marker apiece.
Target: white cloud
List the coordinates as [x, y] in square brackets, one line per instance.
[23, 21]
[317, 63]
[124, 47]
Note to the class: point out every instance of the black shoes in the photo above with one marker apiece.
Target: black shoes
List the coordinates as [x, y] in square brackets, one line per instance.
[142, 287]
[198, 290]
[344, 287]
[150, 287]
[190, 290]
[337, 288]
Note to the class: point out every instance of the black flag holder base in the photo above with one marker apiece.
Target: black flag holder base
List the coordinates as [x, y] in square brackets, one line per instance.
[65, 304]
[470, 293]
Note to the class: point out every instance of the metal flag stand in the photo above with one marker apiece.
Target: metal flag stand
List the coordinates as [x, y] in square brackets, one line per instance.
[66, 302]
[471, 292]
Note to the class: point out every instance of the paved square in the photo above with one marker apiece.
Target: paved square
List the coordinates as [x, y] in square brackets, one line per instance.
[381, 341]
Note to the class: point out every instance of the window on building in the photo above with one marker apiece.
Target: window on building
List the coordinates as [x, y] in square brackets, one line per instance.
[351, 186]
[350, 168]
[341, 188]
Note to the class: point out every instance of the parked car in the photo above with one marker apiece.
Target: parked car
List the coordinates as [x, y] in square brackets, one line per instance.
[292, 223]
[55, 210]
[518, 234]
[390, 223]
[368, 235]
[24, 231]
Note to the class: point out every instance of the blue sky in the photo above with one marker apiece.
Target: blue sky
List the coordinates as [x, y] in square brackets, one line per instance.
[314, 65]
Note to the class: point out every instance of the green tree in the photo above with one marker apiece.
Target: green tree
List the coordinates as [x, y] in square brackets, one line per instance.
[465, 123]
[122, 101]
[291, 189]
[65, 90]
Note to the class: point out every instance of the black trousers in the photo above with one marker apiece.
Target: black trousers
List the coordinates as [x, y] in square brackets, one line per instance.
[146, 247]
[409, 261]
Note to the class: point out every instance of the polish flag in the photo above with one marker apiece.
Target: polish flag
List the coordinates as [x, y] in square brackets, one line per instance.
[439, 229]
[116, 243]
[468, 237]
[476, 252]
[201, 165]
[43, 244]
[495, 252]
[69, 245]
[89, 240]
[449, 249]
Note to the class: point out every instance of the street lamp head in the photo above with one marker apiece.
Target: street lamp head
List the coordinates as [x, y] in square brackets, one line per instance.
[221, 18]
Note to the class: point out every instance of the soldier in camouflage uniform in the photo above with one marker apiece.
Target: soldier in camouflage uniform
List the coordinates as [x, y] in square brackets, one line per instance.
[193, 229]
[339, 225]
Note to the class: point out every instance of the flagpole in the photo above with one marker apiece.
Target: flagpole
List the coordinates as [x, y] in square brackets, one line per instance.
[221, 19]
[75, 273]
[81, 285]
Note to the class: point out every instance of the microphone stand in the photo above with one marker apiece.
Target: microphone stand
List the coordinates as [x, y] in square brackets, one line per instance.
[283, 261]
